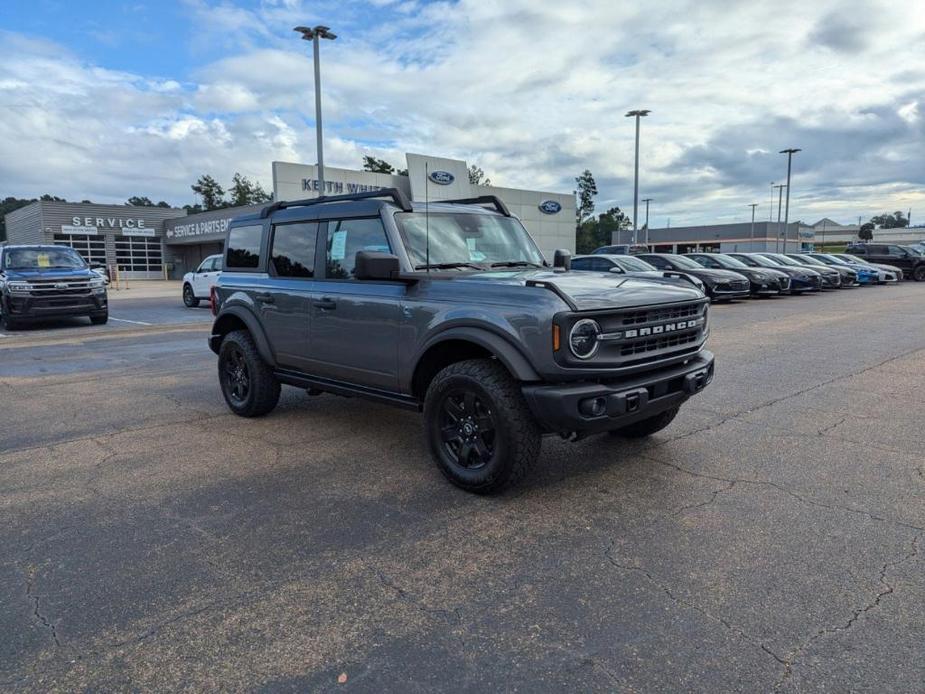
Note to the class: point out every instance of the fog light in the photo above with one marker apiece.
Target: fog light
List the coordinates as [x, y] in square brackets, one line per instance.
[593, 407]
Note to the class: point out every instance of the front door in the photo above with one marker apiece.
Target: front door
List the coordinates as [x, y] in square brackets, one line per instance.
[201, 278]
[285, 307]
[355, 323]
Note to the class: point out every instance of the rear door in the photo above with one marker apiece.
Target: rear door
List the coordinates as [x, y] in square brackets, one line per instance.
[876, 253]
[355, 323]
[285, 310]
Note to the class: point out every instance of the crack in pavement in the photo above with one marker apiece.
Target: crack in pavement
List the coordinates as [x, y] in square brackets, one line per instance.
[709, 502]
[782, 398]
[608, 554]
[48, 624]
[791, 658]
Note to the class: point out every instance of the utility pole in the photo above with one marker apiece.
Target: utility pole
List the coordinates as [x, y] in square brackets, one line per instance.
[640, 113]
[780, 192]
[753, 206]
[315, 35]
[647, 201]
[789, 152]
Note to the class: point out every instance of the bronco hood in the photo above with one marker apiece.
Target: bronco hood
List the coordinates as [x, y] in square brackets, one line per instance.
[592, 291]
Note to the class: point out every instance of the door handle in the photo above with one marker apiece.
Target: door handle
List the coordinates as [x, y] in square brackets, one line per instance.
[265, 298]
[326, 303]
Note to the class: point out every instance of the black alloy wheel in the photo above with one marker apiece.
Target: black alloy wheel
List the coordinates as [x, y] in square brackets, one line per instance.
[237, 379]
[467, 429]
[919, 273]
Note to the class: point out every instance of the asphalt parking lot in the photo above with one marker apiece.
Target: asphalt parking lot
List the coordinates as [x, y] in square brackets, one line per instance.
[770, 539]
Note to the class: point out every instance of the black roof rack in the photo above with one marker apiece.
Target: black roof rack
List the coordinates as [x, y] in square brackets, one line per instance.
[398, 197]
[482, 200]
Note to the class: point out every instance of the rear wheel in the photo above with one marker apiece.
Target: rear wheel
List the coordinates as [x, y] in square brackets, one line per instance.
[248, 383]
[189, 299]
[918, 274]
[479, 429]
[647, 427]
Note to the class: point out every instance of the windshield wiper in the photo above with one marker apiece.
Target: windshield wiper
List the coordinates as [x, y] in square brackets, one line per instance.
[515, 263]
[448, 266]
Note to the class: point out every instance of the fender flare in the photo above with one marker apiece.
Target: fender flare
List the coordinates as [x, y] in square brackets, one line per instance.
[509, 355]
[253, 326]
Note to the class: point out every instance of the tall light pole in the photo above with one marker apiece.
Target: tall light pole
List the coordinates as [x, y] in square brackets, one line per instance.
[771, 204]
[780, 192]
[647, 201]
[315, 35]
[789, 152]
[753, 206]
[637, 114]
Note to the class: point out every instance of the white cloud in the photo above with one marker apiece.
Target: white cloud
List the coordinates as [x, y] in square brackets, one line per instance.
[534, 92]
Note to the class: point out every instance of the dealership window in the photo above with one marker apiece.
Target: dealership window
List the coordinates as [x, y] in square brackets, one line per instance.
[244, 247]
[139, 254]
[91, 248]
[345, 238]
[293, 253]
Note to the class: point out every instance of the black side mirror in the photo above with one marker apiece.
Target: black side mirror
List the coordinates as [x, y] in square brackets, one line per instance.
[562, 258]
[376, 265]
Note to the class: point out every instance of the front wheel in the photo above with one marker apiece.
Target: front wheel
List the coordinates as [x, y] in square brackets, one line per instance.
[919, 273]
[647, 427]
[248, 383]
[189, 299]
[479, 429]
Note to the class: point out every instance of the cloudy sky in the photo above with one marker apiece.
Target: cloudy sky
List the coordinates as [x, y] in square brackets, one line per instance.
[105, 100]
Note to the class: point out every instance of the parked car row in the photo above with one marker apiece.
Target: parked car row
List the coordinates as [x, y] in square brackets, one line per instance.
[729, 276]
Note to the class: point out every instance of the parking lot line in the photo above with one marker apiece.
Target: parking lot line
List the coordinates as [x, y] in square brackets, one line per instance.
[126, 320]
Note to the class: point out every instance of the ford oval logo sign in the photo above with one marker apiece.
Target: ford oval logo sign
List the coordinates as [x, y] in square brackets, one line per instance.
[550, 207]
[444, 178]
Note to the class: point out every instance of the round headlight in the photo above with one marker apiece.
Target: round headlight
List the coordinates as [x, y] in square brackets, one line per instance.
[582, 338]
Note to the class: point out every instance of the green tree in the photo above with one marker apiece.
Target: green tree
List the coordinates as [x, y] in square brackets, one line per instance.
[585, 193]
[377, 165]
[212, 194]
[246, 192]
[897, 220]
[139, 201]
[596, 232]
[866, 232]
[477, 177]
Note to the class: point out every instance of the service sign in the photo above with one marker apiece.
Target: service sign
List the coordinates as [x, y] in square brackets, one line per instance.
[443, 178]
[550, 207]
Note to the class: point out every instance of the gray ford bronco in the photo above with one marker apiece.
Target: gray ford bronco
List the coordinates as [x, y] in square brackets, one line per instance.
[450, 309]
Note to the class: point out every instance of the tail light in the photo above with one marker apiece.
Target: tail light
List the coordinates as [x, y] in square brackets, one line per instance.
[213, 300]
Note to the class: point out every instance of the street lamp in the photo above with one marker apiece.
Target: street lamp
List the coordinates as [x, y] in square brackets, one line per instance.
[637, 114]
[753, 206]
[789, 152]
[315, 35]
[647, 201]
[780, 193]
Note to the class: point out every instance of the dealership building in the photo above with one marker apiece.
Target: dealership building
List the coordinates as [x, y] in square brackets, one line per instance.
[155, 242]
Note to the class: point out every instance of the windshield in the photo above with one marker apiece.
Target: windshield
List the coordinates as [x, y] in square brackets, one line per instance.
[829, 259]
[853, 259]
[686, 263]
[783, 260]
[631, 264]
[805, 260]
[467, 240]
[764, 262]
[42, 258]
[728, 261]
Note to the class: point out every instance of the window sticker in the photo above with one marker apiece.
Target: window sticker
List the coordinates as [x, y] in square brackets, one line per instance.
[338, 245]
[43, 260]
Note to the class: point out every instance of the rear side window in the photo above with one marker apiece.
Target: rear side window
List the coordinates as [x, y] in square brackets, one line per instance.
[658, 262]
[244, 247]
[293, 252]
[348, 236]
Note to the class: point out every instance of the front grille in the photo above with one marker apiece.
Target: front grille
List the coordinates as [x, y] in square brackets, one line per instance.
[733, 286]
[656, 315]
[661, 343]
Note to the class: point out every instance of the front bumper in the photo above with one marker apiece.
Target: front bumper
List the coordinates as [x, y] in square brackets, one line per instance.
[28, 307]
[564, 408]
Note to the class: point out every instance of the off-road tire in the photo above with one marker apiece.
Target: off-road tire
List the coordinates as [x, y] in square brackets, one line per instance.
[515, 438]
[647, 427]
[189, 298]
[918, 274]
[263, 388]
[100, 319]
[7, 323]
